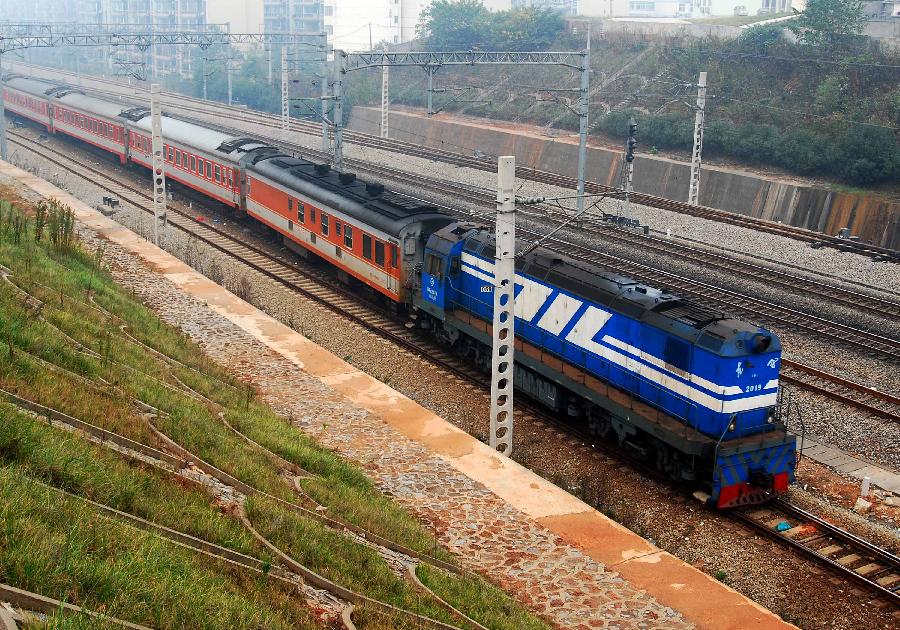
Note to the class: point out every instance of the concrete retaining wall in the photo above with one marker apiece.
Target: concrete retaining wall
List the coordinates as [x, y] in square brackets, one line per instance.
[872, 218]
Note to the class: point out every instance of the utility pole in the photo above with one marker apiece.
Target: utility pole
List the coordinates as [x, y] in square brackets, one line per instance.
[4, 149]
[285, 104]
[385, 98]
[694, 190]
[629, 163]
[159, 174]
[502, 360]
[338, 115]
[583, 107]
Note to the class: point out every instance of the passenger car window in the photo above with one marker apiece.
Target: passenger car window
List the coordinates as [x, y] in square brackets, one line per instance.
[379, 253]
[324, 224]
[301, 212]
[367, 246]
[348, 237]
[218, 174]
[394, 256]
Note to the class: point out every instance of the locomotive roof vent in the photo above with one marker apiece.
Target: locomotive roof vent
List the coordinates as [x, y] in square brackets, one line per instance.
[323, 169]
[347, 178]
[373, 189]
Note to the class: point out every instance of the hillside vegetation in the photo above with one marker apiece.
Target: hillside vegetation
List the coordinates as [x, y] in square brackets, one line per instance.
[75, 342]
[810, 97]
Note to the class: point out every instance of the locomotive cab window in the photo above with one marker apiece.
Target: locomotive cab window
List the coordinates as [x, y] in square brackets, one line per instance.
[454, 267]
[367, 247]
[348, 237]
[324, 224]
[434, 265]
[379, 253]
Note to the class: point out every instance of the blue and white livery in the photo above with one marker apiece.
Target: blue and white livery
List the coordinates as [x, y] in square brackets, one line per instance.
[670, 379]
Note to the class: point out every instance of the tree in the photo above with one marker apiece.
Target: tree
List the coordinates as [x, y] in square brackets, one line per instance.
[455, 24]
[829, 24]
[526, 29]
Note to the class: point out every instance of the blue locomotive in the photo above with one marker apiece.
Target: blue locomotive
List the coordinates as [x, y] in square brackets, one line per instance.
[691, 390]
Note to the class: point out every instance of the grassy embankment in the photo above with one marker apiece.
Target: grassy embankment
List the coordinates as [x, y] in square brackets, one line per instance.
[63, 548]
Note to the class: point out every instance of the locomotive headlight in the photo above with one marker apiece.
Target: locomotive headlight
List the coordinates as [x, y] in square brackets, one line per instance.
[732, 426]
[770, 417]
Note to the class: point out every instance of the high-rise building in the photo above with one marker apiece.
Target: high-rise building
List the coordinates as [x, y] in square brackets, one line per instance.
[361, 24]
[156, 15]
[294, 16]
[566, 7]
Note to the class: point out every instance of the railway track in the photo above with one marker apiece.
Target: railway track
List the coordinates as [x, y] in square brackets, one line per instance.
[848, 555]
[716, 297]
[875, 402]
[265, 119]
[833, 386]
[348, 305]
[774, 313]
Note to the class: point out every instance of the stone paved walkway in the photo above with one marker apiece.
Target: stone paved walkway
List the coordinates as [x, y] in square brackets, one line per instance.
[554, 579]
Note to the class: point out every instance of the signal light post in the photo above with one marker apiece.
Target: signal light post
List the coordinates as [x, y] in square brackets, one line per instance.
[630, 144]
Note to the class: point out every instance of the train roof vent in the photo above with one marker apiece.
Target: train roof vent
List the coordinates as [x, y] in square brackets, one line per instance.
[323, 169]
[58, 91]
[373, 189]
[347, 178]
[691, 314]
[237, 143]
[135, 113]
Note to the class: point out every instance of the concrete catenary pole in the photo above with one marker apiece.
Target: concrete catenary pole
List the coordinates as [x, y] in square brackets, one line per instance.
[285, 103]
[269, 62]
[385, 98]
[158, 161]
[228, 70]
[204, 75]
[694, 190]
[501, 425]
[324, 112]
[338, 121]
[4, 149]
[430, 70]
[583, 107]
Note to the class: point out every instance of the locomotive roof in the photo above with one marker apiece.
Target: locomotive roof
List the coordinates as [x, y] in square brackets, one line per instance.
[676, 315]
[367, 202]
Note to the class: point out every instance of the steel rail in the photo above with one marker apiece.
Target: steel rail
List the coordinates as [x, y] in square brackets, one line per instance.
[854, 558]
[801, 381]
